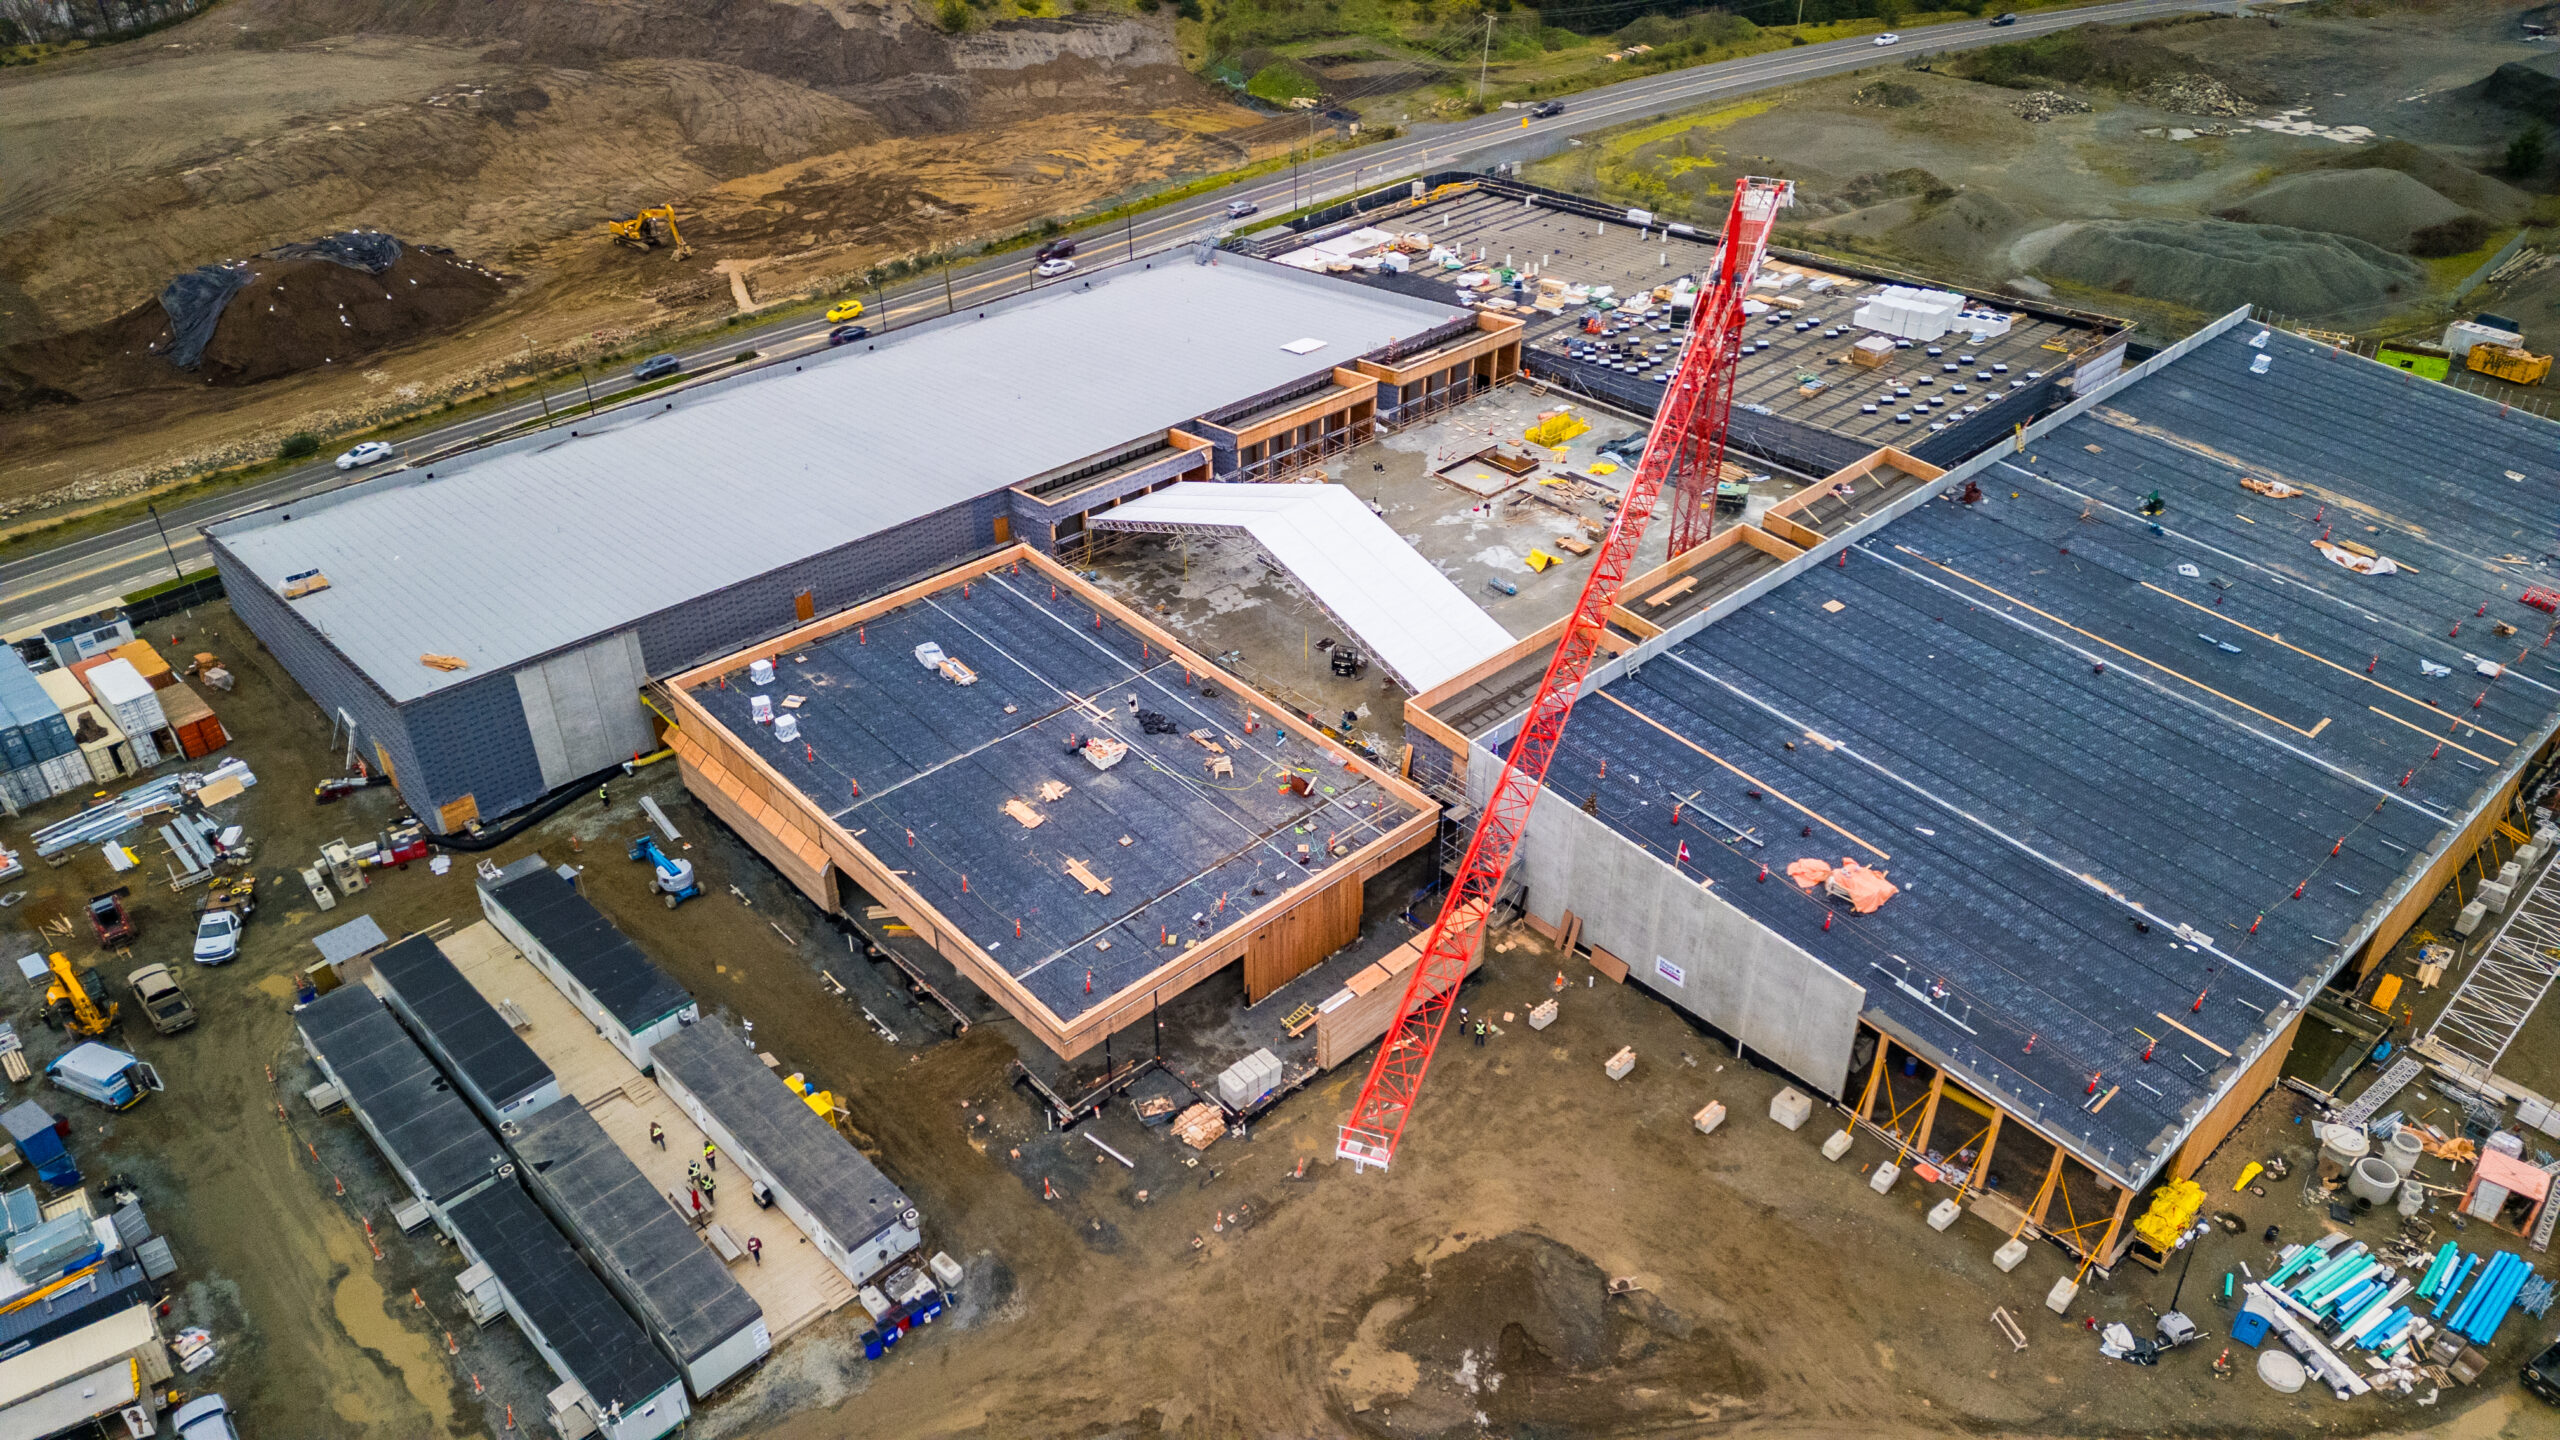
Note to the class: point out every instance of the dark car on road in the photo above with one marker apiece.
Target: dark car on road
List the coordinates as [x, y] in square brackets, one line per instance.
[2006, 17]
[1058, 249]
[658, 367]
[847, 334]
[1550, 108]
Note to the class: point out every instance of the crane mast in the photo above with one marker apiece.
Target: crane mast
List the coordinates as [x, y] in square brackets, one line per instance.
[1684, 449]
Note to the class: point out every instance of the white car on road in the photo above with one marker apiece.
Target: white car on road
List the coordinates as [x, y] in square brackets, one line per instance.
[371, 452]
[1053, 267]
[1888, 38]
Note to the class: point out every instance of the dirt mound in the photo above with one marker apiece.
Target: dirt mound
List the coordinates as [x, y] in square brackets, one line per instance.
[2379, 207]
[2216, 265]
[292, 312]
[1523, 1334]
[1957, 233]
[2501, 203]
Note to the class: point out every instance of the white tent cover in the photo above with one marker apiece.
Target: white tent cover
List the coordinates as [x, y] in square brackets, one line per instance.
[1407, 614]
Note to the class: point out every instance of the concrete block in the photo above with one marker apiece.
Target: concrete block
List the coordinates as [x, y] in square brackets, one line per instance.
[1622, 1063]
[1708, 1119]
[2494, 895]
[1543, 1016]
[1882, 1177]
[2059, 1298]
[946, 1271]
[1837, 1145]
[1943, 1214]
[2509, 874]
[2008, 1256]
[2470, 918]
[1791, 1107]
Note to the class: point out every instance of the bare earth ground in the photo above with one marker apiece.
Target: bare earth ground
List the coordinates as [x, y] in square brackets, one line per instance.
[1460, 1294]
[1942, 176]
[804, 141]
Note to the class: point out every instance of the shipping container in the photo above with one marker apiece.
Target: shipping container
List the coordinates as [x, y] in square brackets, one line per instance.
[154, 670]
[199, 731]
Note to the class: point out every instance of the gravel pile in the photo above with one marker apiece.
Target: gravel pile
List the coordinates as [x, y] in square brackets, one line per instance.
[2194, 95]
[2039, 106]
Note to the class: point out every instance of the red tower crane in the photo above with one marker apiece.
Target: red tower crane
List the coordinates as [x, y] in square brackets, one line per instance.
[1684, 448]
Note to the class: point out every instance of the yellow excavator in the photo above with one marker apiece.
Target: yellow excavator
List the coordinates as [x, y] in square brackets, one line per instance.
[648, 230]
[70, 1000]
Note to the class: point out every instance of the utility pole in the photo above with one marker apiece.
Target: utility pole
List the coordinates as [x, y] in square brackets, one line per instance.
[1799, 14]
[1129, 231]
[540, 391]
[948, 308]
[1485, 61]
[166, 548]
[584, 380]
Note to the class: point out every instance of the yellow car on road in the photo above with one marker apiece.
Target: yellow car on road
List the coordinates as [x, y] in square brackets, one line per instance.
[845, 310]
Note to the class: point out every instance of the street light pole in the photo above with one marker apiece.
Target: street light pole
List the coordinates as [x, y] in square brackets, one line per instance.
[540, 391]
[1485, 61]
[166, 548]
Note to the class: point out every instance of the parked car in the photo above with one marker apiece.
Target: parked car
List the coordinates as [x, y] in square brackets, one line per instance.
[110, 919]
[1548, 110]
[2006, 17]
[163, 1003]
[104, 1074]
[371, 452]
[1058, 249]
[1053, 267]
[847, 334]
[218, 936]
[657, 367]
[844, 310]
[1238, 209]
[1888, 38]
[207, 1417]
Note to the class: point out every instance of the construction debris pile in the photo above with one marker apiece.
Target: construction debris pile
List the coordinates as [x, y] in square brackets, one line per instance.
[2038, 106]
[2193, 95]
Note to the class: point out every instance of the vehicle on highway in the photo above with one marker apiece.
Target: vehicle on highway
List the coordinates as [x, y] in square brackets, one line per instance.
[657, 367]
[207, 1417]
[1547, 111]
[844, 310]
[1888, 38]
[847, 334]
[1058, 249]
[371, 452]
[1053, 267]
[1238, 209]
[2006, 17]
[218, 937]
[161, 999]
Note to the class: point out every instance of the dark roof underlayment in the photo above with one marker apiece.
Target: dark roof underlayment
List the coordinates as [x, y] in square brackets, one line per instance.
[599, 1342]
[2053, 727]
[938, 761]
[624, 1222]
[480, 1045]
[622, 978]
[413, 1107]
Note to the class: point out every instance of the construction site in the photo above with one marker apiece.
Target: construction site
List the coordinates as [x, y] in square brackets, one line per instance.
[1914, 812]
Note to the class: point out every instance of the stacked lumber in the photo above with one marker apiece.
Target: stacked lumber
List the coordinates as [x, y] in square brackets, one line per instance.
[1200, 1125]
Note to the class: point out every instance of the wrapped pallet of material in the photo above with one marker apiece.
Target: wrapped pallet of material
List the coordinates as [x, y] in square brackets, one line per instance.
[131, 702]
[1909, 312]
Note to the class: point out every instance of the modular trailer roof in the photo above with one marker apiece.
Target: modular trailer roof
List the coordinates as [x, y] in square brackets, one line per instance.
[820, 1168]
[623, 980]
[605, 1203]
[590, 1331]
[2054, 728]
[942, 760]
[426, 1126]
[539, 543]
[475, 1039]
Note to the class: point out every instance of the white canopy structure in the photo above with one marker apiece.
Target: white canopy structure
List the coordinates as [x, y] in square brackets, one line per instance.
[1415, 624]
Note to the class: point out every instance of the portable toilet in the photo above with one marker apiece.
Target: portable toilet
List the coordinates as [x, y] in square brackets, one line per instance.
[104, 1074]
[39, 1142]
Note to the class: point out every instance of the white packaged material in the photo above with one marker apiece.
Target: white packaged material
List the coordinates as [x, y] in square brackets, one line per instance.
[786, 726]
[760, 671]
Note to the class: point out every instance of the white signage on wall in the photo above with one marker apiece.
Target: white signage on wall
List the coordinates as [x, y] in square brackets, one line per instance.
[1669, 971]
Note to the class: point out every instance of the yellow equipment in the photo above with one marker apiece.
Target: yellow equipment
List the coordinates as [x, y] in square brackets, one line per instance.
[2506, 362]
[2164, 1225]
[67, 1001]
[648, 230]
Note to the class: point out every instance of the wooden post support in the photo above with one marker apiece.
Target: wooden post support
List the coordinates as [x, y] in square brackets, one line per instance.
[2044, 1196]
[1875, 1075]
[1979, 1174]
[2124, 1204]
[1929, 1114]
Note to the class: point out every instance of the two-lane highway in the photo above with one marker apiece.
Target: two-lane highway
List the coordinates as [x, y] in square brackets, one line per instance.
[90, 572]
